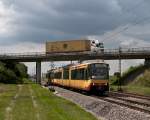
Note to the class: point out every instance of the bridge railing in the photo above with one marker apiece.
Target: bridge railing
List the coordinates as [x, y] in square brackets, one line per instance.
[23, 54]
[127, 50]
[143, 50]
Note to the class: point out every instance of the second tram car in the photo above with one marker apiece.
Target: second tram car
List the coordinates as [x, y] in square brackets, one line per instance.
[90, 77]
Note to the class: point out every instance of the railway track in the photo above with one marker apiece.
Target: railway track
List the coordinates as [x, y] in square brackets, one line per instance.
[132, 98]
[130, 95]
[122, 99]
[133, 101]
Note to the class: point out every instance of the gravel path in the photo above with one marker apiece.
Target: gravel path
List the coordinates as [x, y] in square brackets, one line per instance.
[101, 109]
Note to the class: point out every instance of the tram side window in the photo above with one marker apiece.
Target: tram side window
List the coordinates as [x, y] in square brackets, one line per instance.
[81, 74]
[78, 74]
[48, 75]
[58, 75]
[66, 74]
[73, 74]
[86, 74]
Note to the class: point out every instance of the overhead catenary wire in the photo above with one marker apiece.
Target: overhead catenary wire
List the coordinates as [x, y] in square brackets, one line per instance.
[136, 22]
[126, 28]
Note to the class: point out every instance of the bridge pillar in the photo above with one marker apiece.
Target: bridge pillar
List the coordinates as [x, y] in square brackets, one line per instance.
[147, 62]
[38, 72]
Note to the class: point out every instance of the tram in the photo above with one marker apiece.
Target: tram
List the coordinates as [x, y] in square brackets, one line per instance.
[89, 77]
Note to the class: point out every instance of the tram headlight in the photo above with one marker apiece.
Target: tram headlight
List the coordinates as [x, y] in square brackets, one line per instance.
[93, 77]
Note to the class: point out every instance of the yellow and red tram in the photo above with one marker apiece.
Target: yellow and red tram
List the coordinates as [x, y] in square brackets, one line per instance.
[90, 77]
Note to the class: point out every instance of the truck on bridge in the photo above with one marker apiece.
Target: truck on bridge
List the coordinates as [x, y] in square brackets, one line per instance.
[82, 45]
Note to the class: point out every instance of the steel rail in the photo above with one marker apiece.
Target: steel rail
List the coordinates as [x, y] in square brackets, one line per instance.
[130, 95]
[122, 103]
[132, 101]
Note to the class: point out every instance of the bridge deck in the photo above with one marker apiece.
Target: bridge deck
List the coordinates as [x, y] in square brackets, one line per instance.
[107, 54]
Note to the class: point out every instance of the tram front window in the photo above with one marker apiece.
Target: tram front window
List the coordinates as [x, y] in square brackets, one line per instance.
[99, 71]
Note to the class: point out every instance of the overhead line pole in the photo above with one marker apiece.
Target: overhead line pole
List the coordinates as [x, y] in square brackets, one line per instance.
[119, 80]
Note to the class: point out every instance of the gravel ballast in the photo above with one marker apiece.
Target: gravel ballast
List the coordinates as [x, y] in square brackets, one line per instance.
[101, 109]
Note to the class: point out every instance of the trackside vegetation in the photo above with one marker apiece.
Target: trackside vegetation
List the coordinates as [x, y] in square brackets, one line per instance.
[12, 72]
[135, 79]
[132, 72]
[32, 102]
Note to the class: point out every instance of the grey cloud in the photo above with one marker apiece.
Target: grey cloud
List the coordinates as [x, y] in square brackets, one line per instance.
[40, 20]
[81, 18]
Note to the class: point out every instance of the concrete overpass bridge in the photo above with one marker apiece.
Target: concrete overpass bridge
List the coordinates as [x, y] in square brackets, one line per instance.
[106, 54]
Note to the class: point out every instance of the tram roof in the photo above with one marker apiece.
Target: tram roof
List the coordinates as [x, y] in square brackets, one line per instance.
[76, 65]
[82, 64]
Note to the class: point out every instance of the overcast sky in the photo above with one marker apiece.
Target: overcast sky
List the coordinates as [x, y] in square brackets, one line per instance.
[25, 25]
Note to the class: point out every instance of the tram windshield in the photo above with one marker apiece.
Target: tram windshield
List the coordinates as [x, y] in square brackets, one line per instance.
[99, 71]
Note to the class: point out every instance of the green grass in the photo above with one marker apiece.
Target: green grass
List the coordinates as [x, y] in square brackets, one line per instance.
[134, 89]
[32, 102]
[6, 95]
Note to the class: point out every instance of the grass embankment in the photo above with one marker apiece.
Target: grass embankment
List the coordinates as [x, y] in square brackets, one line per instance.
[139, 85]
[129, 75]
[32, 102]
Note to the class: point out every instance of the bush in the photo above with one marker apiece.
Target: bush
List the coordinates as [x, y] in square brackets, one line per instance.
[12, 72]
[114, 79]
[131, 70]
[21, 70]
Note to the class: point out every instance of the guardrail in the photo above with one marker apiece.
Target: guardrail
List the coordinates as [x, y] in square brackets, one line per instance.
[118, 51]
